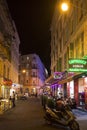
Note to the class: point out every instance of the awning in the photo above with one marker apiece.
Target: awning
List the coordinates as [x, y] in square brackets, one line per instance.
[7, 81]
[65, 80]
[51, 80]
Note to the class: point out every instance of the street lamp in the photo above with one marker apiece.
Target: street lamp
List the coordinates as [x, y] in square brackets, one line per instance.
[23, 75]
[64, 6]
[24, 71]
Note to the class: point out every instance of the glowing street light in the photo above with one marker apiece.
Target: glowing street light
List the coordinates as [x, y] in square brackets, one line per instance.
[23, 71]
[64, 6]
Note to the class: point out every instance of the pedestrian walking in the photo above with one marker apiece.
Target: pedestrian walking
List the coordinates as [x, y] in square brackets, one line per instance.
[13, 99]
[10, 102]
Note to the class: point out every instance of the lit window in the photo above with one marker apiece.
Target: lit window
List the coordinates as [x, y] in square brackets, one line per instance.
[27, 58]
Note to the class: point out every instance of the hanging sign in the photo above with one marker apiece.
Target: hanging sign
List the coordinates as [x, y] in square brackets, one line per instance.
[77, 65]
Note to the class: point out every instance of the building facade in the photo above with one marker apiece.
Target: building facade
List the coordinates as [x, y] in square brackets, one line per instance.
[7, 34]
[69, 50]
[68, 36]
[32, 73]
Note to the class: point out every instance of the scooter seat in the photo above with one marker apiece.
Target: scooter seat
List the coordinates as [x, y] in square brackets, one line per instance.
[56, 111]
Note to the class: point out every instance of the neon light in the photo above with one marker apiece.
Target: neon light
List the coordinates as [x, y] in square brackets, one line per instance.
[78, 66]
[77, 70]
[57, 75]
[85, 57]
[77, 61]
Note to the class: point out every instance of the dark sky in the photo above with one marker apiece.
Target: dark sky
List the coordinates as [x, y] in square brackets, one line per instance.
[33, 20]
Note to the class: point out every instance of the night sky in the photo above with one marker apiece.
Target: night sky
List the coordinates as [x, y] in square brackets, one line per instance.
[33, 21]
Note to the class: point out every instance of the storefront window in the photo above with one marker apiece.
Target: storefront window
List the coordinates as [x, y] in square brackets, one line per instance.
[72, 89]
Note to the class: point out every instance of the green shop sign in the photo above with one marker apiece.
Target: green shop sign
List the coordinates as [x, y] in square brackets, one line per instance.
[77, 65]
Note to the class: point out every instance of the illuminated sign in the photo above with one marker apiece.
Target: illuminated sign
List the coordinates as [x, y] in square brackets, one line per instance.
[77, 61]
[77, 65]
[77, 70]
[85, 57]
[57, 75]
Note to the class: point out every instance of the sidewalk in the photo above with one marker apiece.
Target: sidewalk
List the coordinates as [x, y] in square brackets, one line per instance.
[82, 109]
[6, 105]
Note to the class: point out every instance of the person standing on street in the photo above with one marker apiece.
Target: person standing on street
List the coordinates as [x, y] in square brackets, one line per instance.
[13, 99]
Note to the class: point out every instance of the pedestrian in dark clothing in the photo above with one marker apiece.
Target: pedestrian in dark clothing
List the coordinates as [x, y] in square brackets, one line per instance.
[36, 95]
[13, 99]
[10, 102]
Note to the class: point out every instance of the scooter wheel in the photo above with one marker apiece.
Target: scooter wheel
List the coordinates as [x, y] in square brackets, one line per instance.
[74, 125]
[47, 121]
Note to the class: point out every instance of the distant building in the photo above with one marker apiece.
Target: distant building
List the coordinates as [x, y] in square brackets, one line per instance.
[32, 73]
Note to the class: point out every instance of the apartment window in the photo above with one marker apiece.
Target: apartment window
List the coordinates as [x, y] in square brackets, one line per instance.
[60, 45]
[65, 61]
[34, 58]
[82, 43]
[27, 65]
[34, 82]
[27, 81]
[71, 26]
[60, 65]
[27, 73]
[34, 66]
[22, 58]
[77, 48]
[71, 51]
[4, 71]
[8, 73]
[80, 11]
[27, 58]
[34, 74]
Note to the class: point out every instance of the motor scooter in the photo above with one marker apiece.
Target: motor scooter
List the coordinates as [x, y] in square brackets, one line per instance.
[65, 118]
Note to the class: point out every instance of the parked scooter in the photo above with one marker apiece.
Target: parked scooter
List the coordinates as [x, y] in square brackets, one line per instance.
[64, 118]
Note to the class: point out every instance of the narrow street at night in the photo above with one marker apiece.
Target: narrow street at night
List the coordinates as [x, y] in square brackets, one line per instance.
[27, 115]
[43, 65]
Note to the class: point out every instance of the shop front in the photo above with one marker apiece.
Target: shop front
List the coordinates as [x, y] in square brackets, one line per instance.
[56, 89]
[4, 95]
[70, 89]
[5, 88]
[79, 66]
[82, 91]
[77, 89]
[67, 84]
